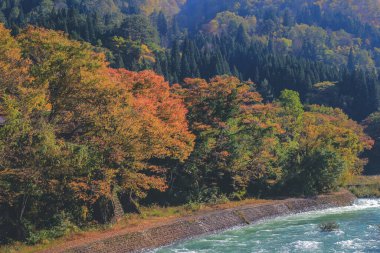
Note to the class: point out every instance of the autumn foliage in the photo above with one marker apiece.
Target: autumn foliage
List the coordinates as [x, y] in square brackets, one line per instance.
[246, 147]
[77, 130]
[79, 134]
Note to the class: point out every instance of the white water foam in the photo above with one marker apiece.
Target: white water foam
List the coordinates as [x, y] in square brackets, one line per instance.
[306, 245]
[369, 203]
[355, 244]
[343, 242]
[360, 204]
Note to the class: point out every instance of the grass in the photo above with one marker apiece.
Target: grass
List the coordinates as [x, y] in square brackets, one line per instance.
[150, 216]
[365, 186]
[45, 244]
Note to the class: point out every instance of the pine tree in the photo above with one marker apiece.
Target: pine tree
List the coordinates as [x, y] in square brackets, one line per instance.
[265, 90]
[176, 60]
[288, 19]
[190, 58]
[242, 36]
[162, 24]
[351, 61]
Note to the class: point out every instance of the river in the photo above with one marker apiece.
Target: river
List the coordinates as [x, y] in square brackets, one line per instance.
[359, 231]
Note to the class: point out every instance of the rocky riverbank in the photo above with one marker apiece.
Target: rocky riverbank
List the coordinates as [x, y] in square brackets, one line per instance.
[188, 227]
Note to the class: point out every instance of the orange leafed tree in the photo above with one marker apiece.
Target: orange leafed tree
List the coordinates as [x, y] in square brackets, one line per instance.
[77, 130]
[129, 118]
[232, 127]
[154, 120]
[162, 114]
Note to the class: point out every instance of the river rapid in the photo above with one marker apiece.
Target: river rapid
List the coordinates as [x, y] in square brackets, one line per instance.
[359, 231]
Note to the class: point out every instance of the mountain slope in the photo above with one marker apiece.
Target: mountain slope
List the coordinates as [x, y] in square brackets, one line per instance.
[278, 44]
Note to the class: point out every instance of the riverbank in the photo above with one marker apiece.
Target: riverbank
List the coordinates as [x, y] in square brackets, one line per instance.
[170, 230]
[348, 229]
[365, 186]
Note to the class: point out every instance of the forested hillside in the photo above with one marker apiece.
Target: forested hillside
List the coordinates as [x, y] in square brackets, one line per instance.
[79, 134]
[277, 44]
[173, 102]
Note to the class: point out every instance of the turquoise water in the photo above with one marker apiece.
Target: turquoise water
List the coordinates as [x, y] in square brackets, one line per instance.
[359, 231]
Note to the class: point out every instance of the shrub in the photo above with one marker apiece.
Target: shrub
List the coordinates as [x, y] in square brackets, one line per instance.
[329, 226]
[192, 206]
[64, 227]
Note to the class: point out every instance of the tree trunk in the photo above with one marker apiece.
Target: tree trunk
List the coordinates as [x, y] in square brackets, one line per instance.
[117, 208]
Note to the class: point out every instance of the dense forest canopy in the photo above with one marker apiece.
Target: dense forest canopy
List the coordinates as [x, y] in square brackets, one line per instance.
[179, 101]
[277, 44]
[79, 133]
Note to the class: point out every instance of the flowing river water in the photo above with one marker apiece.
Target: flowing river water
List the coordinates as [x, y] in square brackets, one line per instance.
[359, 231]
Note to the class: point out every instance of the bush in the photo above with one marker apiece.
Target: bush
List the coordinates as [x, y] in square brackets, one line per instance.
[192, 206]
[366, 191]
[217, 199]
[329, 226]
[65, 227]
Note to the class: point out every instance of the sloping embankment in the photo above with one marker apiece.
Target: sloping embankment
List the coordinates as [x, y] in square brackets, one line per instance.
[188, 227]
